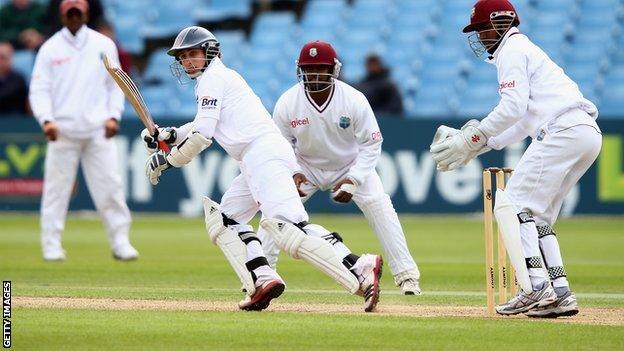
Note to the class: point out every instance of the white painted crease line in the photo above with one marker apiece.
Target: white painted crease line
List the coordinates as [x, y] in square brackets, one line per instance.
[610, 296]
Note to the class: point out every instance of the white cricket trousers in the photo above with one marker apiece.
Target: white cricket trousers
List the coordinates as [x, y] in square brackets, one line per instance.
[554, 162]
[98, 157]
[265, 183]
[376, 206]
[550, 167]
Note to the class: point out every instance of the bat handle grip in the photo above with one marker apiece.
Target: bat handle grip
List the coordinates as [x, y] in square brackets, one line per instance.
[163, 146]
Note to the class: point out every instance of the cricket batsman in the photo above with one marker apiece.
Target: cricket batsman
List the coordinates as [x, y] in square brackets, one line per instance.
[337, 141]
[230, 112]
[538, 100]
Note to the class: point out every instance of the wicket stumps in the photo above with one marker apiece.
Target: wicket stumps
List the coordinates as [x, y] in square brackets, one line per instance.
[506, 277]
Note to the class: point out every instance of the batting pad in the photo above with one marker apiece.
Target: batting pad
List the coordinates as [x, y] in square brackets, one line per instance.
[505, 213]
[230, 244]
[314, 250]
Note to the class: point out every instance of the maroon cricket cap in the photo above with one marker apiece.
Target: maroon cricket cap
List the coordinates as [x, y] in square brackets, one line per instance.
[81, 5]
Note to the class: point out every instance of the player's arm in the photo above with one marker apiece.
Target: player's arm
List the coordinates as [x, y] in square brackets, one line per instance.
[40, 94]
[514, 90]
[510, 136]
[474, 137]
[369, 139]
[210, 97]
[281, 119]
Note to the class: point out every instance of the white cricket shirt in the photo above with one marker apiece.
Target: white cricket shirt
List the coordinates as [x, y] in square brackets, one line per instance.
[340, 133]
[70, 85]
[534, 90]
[228, 110]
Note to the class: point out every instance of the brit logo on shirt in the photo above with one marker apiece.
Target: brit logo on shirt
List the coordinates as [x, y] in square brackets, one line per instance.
[208, 103]
[344, 122]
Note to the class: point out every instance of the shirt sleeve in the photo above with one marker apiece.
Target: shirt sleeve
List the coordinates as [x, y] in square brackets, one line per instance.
[510, 136]
[210, 92]
[369, 139]
[40, 91]
[514, 91]
[280, 118]
[115, 94]
[183, 131]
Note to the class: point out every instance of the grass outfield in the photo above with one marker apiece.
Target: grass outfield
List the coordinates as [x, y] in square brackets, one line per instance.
[182, 294]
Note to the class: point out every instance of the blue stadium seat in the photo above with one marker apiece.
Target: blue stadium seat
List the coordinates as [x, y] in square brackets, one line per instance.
[23, 61]
[128, 31]
[157, 71]
[157, 99]
[170, 18]
[223, 9]
[431, 99]
[478, 100]
[612, 101]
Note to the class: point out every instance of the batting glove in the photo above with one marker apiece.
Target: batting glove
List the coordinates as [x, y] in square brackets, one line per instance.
[167, 135]
[155, 165]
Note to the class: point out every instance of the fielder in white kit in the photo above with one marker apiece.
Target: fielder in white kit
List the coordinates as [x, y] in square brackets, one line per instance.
[540, 101]
[229, 111]
[337, 141]
[79, 107]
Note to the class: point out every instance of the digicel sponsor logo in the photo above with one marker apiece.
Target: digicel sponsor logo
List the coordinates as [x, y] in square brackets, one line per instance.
[299, 122]
[505, 85]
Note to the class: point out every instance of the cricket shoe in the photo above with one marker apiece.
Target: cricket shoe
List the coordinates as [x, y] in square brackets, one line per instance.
[261, 299]
[565, 306]
[410, 286]
[125, 253]
[368, 269]
[54, 254]
[523, 302]
[408, 281]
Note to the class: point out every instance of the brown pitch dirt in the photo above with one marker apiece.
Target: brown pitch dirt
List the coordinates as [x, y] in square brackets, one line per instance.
[593, 316]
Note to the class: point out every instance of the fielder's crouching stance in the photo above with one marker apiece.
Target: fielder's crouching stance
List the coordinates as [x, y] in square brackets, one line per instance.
[537, 100]
[229, 111]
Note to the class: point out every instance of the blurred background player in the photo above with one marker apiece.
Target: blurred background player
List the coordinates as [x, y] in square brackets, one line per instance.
[537, 100]
[79, 106]
[229, 111]
[13, 89]
[21, 23]
[380, 90]
[337, 143]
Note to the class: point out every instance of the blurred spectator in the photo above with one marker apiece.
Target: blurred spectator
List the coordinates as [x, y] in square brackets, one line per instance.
[21, 23]
[13, 89]
[125, 59]
[53, 23]
[382, 93]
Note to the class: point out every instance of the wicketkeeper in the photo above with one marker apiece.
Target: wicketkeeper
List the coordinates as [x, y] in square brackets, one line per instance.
[538, 100]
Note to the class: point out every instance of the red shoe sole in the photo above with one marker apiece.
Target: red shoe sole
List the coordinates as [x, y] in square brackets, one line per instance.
[372, 302]
[262, 298]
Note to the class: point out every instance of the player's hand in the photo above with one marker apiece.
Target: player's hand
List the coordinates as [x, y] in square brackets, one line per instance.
[155, 165]
[50, 130]
[343, 191]
[299, 179]
[167, 135]
[458, 148]
[111, 128]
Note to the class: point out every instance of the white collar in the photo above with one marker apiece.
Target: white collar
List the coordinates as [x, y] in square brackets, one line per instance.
[492, 58]
[79, 40]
